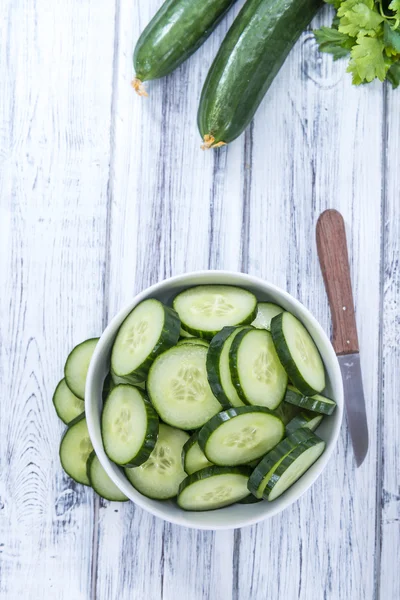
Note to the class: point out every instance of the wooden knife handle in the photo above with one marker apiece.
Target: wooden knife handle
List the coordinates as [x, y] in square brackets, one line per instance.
[334, 260]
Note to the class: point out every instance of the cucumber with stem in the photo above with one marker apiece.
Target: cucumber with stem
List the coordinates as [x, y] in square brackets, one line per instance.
[248, 60]
[175, 32]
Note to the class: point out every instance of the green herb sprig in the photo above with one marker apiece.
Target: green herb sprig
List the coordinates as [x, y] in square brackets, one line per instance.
[368, 32]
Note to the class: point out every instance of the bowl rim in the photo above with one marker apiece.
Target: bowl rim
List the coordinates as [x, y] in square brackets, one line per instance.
[104, 343]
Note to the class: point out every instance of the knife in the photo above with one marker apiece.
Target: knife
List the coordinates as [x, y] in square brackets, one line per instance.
[334, 261]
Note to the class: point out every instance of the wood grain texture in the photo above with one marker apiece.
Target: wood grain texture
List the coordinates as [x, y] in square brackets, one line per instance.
[316, 161]
[389, 448]
[54, 155]
[334, 261]
[103, 194]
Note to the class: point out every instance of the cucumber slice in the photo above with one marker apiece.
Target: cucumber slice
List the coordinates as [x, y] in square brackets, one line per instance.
[150, 329]
[185, 334]
[266, 311]
[159, 477]
[77, 366]
[298, 353]
[319, 404]
[218, 371]
[305, 419]
[179, 390]
[250, 499]
[67, 405]
[195, 341]
[193, 457]
[125, 380]
[206, 309]
[129, 426]
[240, 435]
[101, 482]
[255, 368]
[285, 464]
[214, 487]
[75, 448]
[286, 412]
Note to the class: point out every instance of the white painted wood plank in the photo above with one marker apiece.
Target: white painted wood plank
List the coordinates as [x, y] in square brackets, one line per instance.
[174, 209]
[389, 407]
[318, 126]
[54, 163]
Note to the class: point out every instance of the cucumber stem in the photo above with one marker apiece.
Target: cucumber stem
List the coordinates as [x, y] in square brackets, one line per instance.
[209, 142]
[139, 87]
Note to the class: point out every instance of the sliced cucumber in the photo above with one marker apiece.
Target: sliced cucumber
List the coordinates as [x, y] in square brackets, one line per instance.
[185, 334]
[67, 405]
[266, 311]
[240, 435]
[195, 341]
[250, 499]
[214, 487]
[118, 380]
[319, 404]
[101, 482]
[159, 477]
[255, 368]
[193, 457]
[150, 329]
[286, 412]
[75, 448]
[178, 387]
[218, 371]
[108, 386]
[77, 366]
[298, 353]
[306, 419]
[285, 464]
[129, 426]
[206, 309]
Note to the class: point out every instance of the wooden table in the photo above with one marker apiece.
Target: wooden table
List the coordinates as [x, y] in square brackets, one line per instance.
[103, 194]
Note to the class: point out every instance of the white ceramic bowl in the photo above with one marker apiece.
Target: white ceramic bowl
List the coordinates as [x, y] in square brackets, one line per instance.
[238, 515]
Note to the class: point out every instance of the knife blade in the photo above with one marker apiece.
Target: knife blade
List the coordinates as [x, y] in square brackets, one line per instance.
[334, 261]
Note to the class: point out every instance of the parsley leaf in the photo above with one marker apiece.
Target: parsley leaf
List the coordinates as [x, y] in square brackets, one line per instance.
[333, 41]
[367, 60]
[394, 75]
[392, 38]
[361, 20]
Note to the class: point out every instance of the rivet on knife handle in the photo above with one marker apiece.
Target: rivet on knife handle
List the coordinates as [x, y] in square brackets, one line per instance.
[333, 256]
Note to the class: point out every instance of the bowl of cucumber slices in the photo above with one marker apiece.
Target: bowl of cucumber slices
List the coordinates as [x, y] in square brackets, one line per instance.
[213, 400]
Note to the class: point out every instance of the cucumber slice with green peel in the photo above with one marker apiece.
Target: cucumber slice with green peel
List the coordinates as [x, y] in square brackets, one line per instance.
[266, 311]
[101, 482]
[77, 366]
[218, 370]
[159, 477]
[193, 457]
[185, 334]
[298, 354]
[129, 426]
[250, 499]
[256, 371]
[75, 449]
[306, 419]
[195, 341]
[206, 309]
[318, 404]
[285, 464]
[150, 329]
[238, 436]
[178, 387]
[125, 380]
[67, 405]
[214, 487]
[286, 412]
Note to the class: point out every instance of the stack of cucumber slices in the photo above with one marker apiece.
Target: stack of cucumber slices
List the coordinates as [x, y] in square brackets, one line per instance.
[212, 401]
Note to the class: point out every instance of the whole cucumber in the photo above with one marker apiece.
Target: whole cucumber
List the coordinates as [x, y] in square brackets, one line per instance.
[176, 31]
[251, 55]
